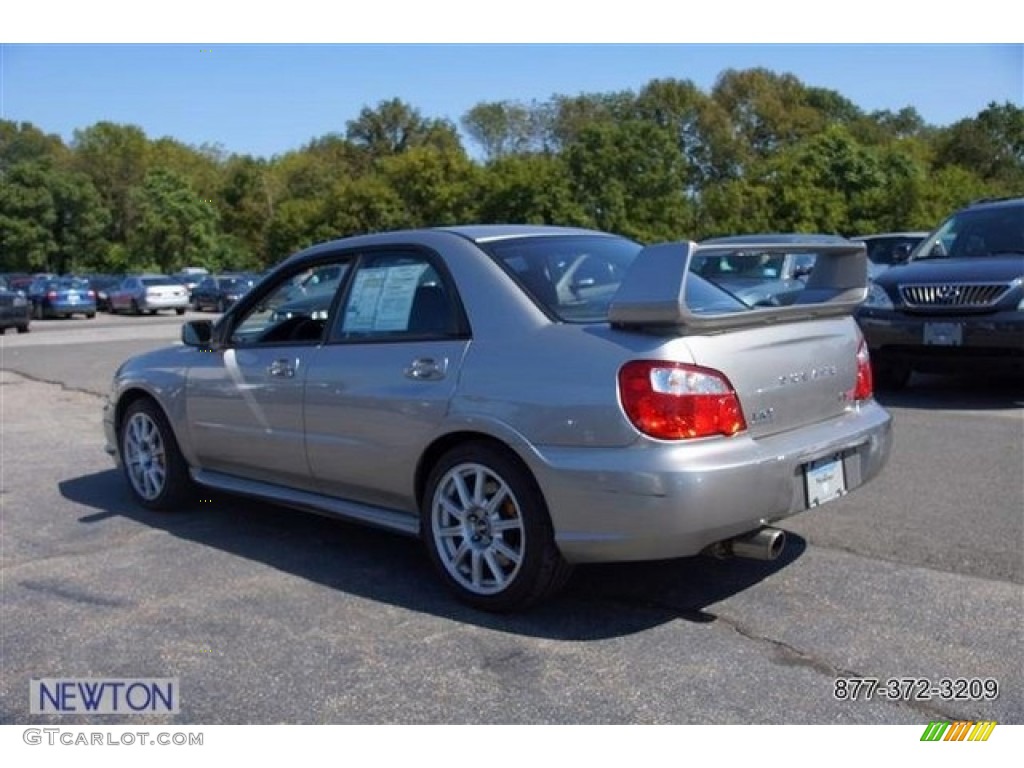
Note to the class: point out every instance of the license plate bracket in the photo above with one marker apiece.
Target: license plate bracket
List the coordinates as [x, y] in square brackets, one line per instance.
[824, 480]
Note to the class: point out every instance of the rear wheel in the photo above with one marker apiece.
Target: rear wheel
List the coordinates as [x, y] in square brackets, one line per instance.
[23, 328]
[179, 311]
[487, 530]
[152, 462]
[136, 309]
[90, 315]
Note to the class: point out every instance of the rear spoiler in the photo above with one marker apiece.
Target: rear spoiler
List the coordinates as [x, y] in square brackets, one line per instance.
[652, 295]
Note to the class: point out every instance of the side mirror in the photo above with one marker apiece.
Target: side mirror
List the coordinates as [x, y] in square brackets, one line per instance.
[197, 333]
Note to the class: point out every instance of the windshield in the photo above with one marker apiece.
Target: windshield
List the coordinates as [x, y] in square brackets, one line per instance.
[976, 234]
[575, 278]
[160, 281]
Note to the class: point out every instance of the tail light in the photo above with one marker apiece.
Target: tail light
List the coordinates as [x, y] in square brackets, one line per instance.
[675, 401]
[92, 294]
[51, 295]
[865, 386]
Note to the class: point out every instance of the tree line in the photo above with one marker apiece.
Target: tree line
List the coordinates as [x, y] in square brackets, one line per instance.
[759, 152]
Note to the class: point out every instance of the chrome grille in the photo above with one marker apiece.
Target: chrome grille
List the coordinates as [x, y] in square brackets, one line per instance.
[975, 295]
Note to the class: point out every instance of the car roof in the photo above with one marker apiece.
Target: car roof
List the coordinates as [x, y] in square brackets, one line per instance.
[995, 202]
[778, 237]
[483, 233]
[922, 235]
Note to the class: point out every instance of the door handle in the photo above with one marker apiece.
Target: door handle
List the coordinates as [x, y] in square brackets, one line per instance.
[427, 369]
[282, 368]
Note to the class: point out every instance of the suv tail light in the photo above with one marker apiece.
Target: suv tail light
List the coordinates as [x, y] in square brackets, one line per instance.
[51, 295]
[675, 401]
[865, 381]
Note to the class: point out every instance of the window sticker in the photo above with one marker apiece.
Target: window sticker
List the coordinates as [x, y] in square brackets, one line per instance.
[382, 298]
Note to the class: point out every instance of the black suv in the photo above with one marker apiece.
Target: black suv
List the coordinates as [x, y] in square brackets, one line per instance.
[957, 304]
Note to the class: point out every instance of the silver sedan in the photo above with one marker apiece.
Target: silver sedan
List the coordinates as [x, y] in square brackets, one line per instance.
[522, 398]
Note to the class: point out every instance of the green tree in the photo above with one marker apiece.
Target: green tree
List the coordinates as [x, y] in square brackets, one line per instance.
[27, 218]
[176, 228]
[20, 142]
[115, 158]
[436, 186]
[991, 145]
[528, 189]
[502, 128]
[246, 203]
[628, 178]
[394, 127]
[51, 219]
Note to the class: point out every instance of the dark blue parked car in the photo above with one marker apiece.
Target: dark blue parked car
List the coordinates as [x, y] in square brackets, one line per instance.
[61, 297]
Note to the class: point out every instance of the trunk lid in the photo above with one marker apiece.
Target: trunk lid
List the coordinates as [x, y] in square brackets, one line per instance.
[790, 365]
[785, 375]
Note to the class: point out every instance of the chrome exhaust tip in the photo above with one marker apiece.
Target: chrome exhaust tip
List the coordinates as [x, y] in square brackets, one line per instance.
[763, 544]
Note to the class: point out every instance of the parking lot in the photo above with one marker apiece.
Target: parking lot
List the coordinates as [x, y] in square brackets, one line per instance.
[267, 615]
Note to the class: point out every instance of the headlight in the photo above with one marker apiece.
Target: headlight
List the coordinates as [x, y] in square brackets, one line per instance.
[877, 297]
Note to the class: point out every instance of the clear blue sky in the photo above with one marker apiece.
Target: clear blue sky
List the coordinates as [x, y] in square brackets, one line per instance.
[270, 98]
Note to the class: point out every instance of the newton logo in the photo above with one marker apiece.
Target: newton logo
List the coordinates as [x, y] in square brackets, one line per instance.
[959, 730]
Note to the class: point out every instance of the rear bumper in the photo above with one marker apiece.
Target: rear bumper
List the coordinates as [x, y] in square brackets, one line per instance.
[154, 303]
[15, 316]
[994, 341]
[665, 500]
[69, 307]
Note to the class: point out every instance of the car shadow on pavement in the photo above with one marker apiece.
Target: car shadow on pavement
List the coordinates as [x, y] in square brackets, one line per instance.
[957, 393]
[599, 602]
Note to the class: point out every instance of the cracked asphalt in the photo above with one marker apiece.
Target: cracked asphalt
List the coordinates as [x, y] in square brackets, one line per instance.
[268, 615]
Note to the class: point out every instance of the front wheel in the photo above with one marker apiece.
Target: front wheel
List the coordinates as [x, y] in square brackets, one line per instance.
[179, 311]
[152, 462]
[487, 530]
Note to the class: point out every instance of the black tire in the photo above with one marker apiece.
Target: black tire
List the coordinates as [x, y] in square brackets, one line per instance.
[136, 309]
[891, 376]
[3, 330]
[90, 315]
[476, 559]
[179, 311]
[195, 305]
[144, 425]
[23, 328]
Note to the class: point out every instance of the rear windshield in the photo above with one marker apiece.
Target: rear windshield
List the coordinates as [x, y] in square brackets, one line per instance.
[160, 281]
[73, 284]
[575, 278]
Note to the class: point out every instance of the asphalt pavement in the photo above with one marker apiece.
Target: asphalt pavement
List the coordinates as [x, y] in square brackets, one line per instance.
[268, 615]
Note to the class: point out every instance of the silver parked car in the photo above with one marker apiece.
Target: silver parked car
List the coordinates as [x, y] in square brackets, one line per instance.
[454, 384]
[148, 293]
